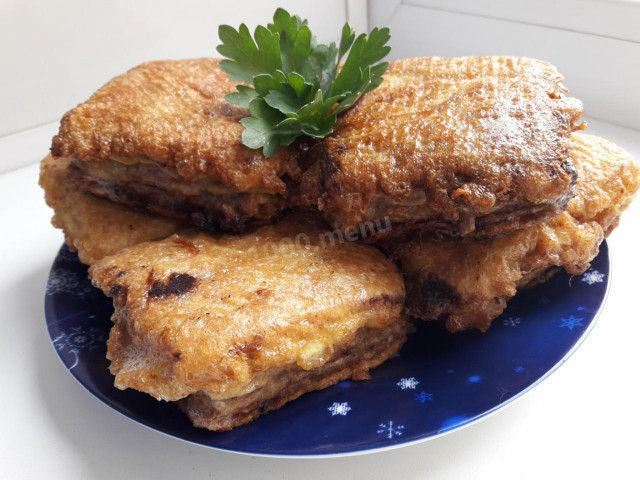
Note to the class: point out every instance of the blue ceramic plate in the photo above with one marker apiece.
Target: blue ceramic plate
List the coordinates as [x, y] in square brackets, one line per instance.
[438, 383]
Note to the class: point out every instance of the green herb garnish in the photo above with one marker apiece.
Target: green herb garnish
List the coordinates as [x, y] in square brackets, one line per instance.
[297, 89]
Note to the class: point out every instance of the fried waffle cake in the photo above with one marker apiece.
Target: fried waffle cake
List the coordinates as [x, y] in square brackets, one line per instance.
[162, 137]
[235, 326]
[471, 145]
[467, 282]
[93, 226]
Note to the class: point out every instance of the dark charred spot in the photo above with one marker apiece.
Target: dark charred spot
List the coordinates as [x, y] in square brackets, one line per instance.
[436, 291]
[177, 284]
[385, 300]
[121, 273]
[177, 355]
[429, 297]
[221, 218]
[116, 290]
[461, 178]
[263, 292]
[330, 166]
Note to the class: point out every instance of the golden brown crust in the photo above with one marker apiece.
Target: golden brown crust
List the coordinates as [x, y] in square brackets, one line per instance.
[93, 226]
[609, 179]
[467, 282]
[368, 349]
[450, 141]
[479, 276]
[208, 313]
[174, 113]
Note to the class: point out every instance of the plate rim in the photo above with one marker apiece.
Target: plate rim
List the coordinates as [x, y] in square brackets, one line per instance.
[467, 423]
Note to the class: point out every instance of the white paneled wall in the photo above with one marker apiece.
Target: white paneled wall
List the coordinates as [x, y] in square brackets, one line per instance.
[55, 53]
[594, 43]
[606, 18]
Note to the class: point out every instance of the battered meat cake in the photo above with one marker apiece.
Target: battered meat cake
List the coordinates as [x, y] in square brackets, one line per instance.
[235, 326]
[162, 137]
[470, 145]
[93, 226]
[467, 282]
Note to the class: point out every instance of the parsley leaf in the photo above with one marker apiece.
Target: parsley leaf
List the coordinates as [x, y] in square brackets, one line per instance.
[293, 85]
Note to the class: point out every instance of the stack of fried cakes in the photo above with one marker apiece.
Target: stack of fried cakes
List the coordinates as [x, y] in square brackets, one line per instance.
[241, 282]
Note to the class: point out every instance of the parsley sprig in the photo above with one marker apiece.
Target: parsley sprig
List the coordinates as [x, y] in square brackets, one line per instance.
[296, 85]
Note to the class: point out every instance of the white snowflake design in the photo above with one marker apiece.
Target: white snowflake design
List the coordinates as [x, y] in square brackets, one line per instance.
[571, 322]
[390, 429]
[79, 338]
[512, 321]
[593, 276]
[423, 397]
[339, 408]
[408, 383]
[63, 281]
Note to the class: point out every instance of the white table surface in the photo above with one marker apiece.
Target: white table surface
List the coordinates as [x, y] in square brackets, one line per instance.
[582, 422]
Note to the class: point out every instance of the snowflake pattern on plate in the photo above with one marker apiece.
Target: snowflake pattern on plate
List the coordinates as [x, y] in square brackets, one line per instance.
[571, 322]
[592, 276]
[390, 429]
[339, 408]
[79, 338]
[511, 321]
[423, 397]
[69, 282]
[408, 383]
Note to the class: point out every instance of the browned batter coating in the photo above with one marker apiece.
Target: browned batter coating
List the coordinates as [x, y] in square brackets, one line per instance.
[467, 282]
[162, 137]
[456, 145]
[173, 113]
[227, 316]
[368, 349]
[93, 226]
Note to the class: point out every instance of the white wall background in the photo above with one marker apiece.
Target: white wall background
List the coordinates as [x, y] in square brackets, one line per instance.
[55, 53]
